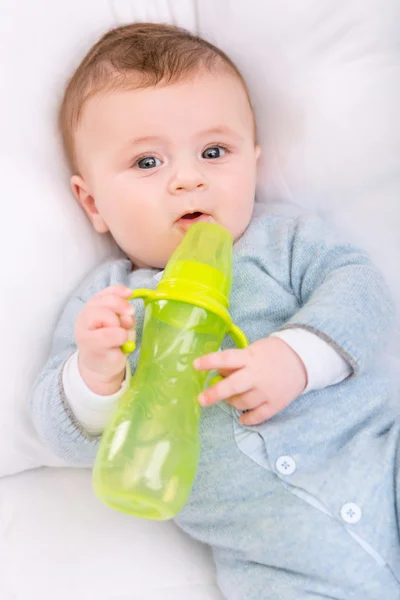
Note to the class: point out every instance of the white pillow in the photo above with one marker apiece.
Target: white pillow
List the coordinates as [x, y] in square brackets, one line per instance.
[325, 81]
[47, 245]
[58, 543]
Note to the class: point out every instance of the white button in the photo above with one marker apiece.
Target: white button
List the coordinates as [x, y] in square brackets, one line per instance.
[285, 465]
[350, 513]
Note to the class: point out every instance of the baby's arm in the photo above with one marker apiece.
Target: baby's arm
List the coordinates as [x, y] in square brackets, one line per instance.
[92, 411]
[60, 412]
[324, 365]
[52, 416]
[342, 296]
[344, 305]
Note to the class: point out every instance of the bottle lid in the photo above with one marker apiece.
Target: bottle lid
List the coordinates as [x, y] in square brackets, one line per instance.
[202, 264]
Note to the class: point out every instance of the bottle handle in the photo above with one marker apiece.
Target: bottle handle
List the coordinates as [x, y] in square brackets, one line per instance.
[233, 330]
[238, 336]
[129, 346]
[241, 342]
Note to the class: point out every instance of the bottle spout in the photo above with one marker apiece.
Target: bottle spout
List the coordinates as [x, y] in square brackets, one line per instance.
[202, 263]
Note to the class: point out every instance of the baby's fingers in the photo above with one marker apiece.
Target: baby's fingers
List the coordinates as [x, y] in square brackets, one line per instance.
[233, 385]
[99, 317]
[104, 339]
[258, 415]
[228, 360]
[117, 290]
[112, 302]
[247, 401]
[127, 322]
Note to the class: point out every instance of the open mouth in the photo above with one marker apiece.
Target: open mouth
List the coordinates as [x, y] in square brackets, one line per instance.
[186, 220]
[192, 216]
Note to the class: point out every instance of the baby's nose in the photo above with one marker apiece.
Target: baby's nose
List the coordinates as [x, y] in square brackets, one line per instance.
[187, 179]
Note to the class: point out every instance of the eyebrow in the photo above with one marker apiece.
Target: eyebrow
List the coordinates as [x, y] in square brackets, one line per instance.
[222, 130]
[214, 130]
[146, 138]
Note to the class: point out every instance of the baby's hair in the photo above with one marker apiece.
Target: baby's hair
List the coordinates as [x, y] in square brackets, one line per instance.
[135, 56]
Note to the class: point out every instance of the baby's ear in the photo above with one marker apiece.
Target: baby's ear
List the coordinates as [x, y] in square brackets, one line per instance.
[86, 200]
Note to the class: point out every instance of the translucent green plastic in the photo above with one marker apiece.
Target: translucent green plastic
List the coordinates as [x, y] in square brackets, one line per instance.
[148, 455]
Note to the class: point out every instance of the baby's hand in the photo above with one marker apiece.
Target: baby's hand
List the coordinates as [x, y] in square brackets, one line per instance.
[262, 379]
[105, 323]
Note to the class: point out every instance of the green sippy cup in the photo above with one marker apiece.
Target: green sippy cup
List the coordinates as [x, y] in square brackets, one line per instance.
[148, 455]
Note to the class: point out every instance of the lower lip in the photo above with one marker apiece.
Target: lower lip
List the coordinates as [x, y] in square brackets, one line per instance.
[186, 223]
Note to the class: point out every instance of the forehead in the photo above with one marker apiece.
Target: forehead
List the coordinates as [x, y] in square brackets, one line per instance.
[179, 109]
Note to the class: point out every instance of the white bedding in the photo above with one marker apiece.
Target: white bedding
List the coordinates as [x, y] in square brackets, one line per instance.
[58, 542]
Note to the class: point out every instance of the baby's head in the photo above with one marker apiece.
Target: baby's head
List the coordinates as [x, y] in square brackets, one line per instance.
[159, 132]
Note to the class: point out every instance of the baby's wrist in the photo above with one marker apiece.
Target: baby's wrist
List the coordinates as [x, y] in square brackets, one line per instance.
[100, 384]
[294, 364]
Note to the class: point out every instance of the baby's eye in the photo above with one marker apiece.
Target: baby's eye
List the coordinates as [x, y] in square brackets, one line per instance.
[214, 152]
[148, 162]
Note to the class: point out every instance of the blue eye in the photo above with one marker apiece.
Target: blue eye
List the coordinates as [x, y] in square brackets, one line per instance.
[214, 152]
[148, 162]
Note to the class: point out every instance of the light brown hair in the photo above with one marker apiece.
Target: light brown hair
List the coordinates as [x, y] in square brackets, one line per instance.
[154, 53]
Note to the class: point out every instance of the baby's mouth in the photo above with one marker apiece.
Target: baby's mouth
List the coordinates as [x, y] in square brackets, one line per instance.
[192, 216]
[188, 219]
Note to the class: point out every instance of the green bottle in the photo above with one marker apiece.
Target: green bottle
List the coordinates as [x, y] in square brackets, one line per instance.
[148, 455]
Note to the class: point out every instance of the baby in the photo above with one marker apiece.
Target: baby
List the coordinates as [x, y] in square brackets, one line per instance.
[297, 488]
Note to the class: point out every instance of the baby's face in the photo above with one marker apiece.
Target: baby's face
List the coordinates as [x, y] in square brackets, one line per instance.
[153, 161]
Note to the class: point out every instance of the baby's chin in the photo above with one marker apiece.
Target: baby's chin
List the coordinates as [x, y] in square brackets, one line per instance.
[157, 258]
[150, 264]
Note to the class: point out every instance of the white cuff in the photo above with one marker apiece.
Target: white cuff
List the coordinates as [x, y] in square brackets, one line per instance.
[324, 365]
[91, 410]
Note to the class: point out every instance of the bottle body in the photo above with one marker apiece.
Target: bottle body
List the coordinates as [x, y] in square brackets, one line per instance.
[148, 456]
